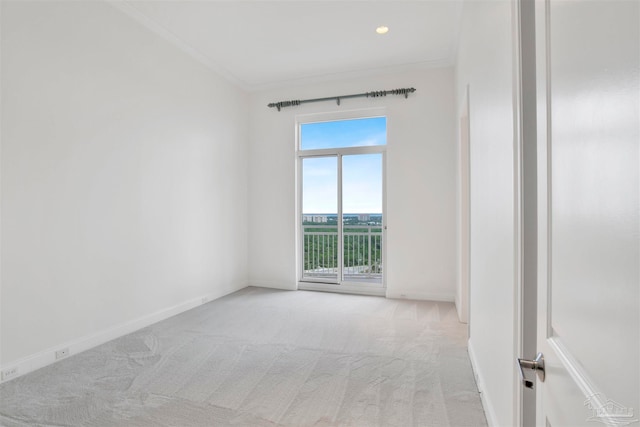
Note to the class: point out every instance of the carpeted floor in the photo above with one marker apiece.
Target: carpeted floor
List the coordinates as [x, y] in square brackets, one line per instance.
[265, 358]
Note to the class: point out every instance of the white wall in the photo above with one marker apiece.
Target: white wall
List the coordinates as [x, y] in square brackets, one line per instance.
[421, 257]
[485, 62]
[124, 179]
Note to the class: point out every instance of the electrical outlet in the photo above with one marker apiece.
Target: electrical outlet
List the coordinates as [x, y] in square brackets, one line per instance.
[62, 353]
[9, 373]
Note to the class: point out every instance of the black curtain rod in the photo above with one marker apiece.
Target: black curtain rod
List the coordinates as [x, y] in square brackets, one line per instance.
[374, 94]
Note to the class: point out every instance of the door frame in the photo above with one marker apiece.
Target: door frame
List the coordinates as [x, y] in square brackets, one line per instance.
[463, 294]
[525, 158]
[345, 287]
[527, 193]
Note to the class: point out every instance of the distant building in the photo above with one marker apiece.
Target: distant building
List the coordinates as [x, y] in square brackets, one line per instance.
[364, 217]
[315, 218]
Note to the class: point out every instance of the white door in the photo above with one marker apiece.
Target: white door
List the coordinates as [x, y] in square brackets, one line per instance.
[588, 59]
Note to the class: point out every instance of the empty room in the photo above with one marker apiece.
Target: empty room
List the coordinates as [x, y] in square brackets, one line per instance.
[319, 213]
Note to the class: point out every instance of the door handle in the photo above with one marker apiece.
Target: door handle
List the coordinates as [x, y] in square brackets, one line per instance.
[536, 365]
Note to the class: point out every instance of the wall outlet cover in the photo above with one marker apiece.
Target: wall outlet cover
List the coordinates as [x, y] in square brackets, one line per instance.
[62, 353]
[9, 373]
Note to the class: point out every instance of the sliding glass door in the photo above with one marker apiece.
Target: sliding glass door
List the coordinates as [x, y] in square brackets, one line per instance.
[320, 234]
[362, 218]
[341, 202]
[342, 219]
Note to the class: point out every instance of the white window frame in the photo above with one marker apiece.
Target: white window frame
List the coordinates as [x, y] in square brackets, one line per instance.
[338, 286]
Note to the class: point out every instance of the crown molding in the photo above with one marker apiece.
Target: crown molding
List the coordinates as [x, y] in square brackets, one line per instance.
[134, 13]
[166, 34]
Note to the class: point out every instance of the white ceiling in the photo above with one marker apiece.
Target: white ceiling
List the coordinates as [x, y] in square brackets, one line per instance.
[261, 44]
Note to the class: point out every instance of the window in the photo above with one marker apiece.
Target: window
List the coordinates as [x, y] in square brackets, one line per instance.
[365, 132]
[341, 202]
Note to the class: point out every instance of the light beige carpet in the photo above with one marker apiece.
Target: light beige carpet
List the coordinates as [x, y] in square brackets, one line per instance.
[265, 358]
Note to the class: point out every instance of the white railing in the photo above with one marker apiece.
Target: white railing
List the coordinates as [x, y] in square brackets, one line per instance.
[362, 252]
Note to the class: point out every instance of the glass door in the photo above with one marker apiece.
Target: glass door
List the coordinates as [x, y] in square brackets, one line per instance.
[342, 218]
[320, 233]
[362, 218]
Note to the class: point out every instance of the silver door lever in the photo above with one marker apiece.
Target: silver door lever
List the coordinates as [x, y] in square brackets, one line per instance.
[536, 364]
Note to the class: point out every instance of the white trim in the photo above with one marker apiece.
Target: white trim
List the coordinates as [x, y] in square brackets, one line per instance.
[214, 66]
[338, 153]
[583, 380]
[343, 289]
[47, 357]
[463, 293]
[517, 350]
[297, 208]
[548, 177]
[359, 113]
[345, 151]
[574, 368]
[283, 285]
[543, 119]
[375, 290]
[421, 296]
[525, 168]
[488, 407]
[384, 212]
[339, 220]
[1, 275]
[169, 36]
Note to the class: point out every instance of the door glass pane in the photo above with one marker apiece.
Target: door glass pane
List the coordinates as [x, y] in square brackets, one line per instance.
[319, 218]
[344, 133]
[362, 218]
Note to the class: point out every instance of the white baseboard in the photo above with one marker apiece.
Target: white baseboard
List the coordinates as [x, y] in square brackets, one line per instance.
[462, 316]
[284, 285]
[423, 296]
[456, 301]
[378, 291]
[345, 288]
[484, 398]
[48, 356]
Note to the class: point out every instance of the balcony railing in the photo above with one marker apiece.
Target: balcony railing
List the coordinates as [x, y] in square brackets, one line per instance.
[362, 252]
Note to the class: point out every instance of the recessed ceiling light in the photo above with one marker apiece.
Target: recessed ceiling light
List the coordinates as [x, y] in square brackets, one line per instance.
[382, 29]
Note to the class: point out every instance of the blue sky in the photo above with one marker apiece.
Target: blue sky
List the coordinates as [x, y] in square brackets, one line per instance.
[362, 174]
[344, 133]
